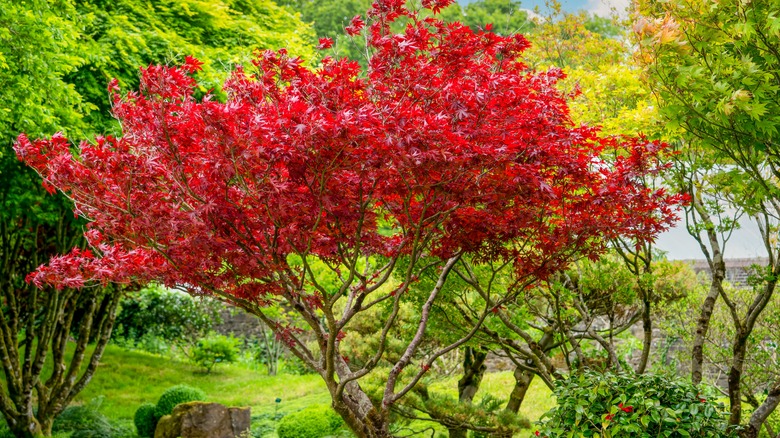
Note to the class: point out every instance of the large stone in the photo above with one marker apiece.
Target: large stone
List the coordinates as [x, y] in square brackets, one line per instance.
[204, 420]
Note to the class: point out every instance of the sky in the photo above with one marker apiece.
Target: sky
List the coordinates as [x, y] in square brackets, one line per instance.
[598, 7]
[743, 243]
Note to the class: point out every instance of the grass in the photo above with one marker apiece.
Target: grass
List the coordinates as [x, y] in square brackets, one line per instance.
[128, 378]
[538, 399]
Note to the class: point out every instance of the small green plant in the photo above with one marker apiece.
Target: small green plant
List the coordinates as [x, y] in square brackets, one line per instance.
[177, 395]
[628, 406]
[214, 350]
[313, 422]
[145, 420]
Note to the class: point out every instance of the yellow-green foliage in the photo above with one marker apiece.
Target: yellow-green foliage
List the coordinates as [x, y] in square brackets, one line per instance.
[600, 71]
[122, 35]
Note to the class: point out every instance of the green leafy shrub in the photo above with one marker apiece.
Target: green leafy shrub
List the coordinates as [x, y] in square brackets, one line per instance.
[177, 395]
[145, 420]
[313, 422]
[633, 406]
[214, 350]
[156, 318]
[86, 421]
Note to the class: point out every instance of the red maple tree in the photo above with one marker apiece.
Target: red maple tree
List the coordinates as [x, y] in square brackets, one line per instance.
[447, 152]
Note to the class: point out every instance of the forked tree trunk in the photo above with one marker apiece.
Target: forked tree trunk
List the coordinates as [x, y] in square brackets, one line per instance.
[468, 385]
[28, 427]
[523, 380]
[46, 326]
[369, 424]
[473, 372]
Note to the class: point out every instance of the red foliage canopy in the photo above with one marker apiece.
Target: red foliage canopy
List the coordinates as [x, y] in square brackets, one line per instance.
[448, 144]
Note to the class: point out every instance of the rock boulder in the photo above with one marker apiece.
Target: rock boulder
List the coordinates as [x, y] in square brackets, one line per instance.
[204, 420]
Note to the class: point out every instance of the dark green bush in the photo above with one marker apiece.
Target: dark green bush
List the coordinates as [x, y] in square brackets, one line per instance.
[313, 422]
[145, 420]
[176, 395]
[214, 350]
[633, 406]
[86, 421]
[156, 318]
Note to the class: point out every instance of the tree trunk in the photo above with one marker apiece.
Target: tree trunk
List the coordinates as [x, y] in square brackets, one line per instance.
[762, 412]
[718, 269]
[735, 379]
[355, 407]
[364, 421]
[473, 372]
[523, 380]
[718, 273]
[28, 427]
[468, 385]
[647, 329]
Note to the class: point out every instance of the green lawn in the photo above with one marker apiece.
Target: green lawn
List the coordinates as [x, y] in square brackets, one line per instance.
[126, 379]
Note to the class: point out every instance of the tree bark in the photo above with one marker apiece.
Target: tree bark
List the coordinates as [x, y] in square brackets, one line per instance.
[523, 381]
[468, 385]
[735, 379]
[28, 427]
[718, 269]
[761, 413]
[367, 425]
[714, 256]
[473, 372]
[647, 329]
[354, 405]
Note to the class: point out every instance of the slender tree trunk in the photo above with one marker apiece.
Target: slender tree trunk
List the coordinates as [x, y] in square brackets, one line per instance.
[762, 412]
[523, 381]
[468, 385]
[718, 273]
[735, 379]
[718, 269]
[647, 329]
[473, 372]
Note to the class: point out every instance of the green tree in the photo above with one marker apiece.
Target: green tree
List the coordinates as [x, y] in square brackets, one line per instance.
[39, 45]
[124, 35]
[56, 58]
[329, 18]
[715, 69]
[506, 17]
